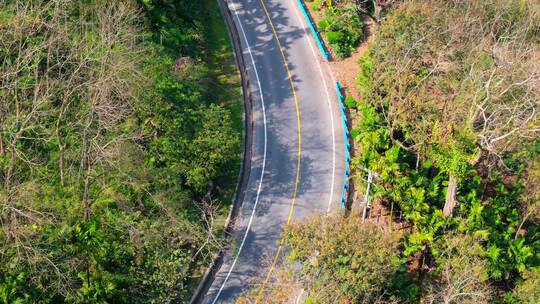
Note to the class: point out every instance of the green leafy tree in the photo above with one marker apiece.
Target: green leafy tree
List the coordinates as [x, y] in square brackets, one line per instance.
[427, 85]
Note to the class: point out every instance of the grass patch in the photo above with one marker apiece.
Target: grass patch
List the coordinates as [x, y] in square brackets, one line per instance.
[227, 92]
[226, 89]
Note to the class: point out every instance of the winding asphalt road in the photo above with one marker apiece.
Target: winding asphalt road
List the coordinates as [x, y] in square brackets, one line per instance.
[297, 154]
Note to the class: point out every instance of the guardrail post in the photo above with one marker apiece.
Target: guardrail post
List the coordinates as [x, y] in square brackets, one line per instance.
[366, 198]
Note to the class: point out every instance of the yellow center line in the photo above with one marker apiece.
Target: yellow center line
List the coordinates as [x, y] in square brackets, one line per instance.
[291, 209]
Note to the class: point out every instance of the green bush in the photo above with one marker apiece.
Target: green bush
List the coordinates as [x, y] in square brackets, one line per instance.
[323, 24]
[316, 5]
[526, 291]
[342, 27]
[334, 37]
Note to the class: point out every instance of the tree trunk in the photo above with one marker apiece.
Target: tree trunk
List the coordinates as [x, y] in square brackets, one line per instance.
[61, 164]
[2, 149]
[61, 146]
[377, 11]
[451, 202]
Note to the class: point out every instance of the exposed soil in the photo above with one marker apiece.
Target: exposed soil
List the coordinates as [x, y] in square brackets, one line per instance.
[346, 70]
[383, 216]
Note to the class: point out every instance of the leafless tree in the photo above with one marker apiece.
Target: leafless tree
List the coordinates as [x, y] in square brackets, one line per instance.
[462, 273]
[82, 76]
[495, 99]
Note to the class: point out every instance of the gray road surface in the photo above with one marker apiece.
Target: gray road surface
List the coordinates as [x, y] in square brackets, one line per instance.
[270, 189]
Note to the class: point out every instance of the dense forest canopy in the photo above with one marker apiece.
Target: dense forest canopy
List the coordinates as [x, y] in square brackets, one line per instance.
[449, 118]
[110, 141]
[116, 134]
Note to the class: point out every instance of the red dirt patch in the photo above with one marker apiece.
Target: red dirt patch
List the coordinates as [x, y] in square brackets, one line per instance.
[346, 70]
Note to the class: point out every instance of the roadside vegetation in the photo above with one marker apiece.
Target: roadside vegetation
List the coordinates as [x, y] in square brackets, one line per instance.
[119, 138]
[339, 259]
[448, 118]
[342, 22]
[341, 25]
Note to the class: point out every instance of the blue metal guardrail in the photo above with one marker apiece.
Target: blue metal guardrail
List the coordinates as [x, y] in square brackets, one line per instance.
[347, 146]
[313, 30]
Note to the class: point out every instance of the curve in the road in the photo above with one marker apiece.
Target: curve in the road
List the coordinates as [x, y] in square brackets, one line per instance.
[291, 209]
[329, 103]
[288, 71]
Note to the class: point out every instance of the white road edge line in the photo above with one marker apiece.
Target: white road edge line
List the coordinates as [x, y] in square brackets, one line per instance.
[332, 184]
[264, 158]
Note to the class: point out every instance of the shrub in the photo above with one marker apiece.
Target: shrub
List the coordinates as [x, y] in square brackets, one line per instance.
[461, 274]
[526, 291]
[340, 260]
[342, 27]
